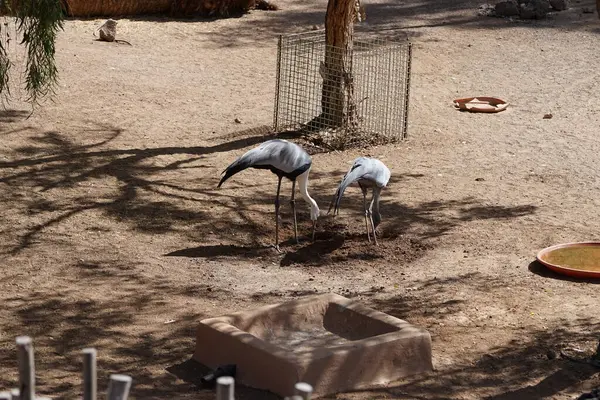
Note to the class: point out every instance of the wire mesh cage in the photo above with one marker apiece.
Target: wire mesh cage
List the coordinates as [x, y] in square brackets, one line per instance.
[361, 98]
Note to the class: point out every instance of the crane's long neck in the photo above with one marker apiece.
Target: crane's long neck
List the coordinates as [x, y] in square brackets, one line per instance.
[303, 186]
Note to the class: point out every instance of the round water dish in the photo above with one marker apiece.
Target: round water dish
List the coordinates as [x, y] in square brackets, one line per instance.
[580, 260]
[481, 104]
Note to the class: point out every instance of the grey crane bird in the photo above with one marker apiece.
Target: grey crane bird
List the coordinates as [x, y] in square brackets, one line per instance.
[284, 159]
[370, 173]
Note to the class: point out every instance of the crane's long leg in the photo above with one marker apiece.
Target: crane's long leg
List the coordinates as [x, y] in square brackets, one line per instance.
[277, 216]
[293, 203]
[366, 213]
[371, 218]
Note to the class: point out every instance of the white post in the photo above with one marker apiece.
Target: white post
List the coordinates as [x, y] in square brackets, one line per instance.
[304, 390]
[225, 388]
[118, 388]
[26, 368]
[89, 374]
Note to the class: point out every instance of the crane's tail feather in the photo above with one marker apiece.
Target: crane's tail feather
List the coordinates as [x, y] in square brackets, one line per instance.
[337, 198]
[333, 201]
[351, 176]
[235, 167]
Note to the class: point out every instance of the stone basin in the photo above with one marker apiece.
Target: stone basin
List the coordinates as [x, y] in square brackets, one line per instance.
[329, 341]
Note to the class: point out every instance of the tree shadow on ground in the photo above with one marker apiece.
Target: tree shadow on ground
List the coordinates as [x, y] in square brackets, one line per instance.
[65, 319]
[151, 191]
[11, 115]
[146, 198]
[521, 369]
[62, 323]
[157, 353]
[406, 234]
[393, 20]
[510, 371]
[140, 189]
[528, 366]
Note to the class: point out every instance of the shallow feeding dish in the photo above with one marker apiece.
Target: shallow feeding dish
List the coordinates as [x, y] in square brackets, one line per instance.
[481, 104]
[328, 341]
[580, 260]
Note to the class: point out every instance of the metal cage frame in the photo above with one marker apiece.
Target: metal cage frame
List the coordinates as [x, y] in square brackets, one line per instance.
[380, 72]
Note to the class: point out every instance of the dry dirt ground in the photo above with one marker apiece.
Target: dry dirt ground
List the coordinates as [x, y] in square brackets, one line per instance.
[114, 235]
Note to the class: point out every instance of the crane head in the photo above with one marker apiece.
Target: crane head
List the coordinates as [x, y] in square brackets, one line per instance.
[315, 212]
[314, 215]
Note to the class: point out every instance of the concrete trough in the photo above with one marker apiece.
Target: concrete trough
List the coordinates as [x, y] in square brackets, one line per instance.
[329, 341]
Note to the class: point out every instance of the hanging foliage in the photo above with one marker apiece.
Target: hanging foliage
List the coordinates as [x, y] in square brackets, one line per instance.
[38, 21]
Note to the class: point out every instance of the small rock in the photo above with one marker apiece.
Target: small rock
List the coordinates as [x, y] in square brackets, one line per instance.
[315, 27]
[238, 121]
[507, 8]
[559, 5]
[548, 116]
[479, 179]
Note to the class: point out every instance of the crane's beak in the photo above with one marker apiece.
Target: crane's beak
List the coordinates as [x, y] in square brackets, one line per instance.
[314, 230]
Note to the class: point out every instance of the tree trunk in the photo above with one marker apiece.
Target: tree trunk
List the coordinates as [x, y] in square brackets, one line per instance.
[337, 102]
[598, 7]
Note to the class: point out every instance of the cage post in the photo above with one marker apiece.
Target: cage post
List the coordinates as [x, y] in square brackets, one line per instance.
[407, 91]
[277, 85]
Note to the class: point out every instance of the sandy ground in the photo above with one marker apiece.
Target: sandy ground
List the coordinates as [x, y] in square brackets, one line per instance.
[114, 235]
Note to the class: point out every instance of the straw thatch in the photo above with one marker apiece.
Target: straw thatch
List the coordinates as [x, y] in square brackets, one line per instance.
[113, 8]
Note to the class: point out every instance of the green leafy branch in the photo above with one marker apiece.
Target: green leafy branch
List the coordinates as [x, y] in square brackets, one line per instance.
[39, 22]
